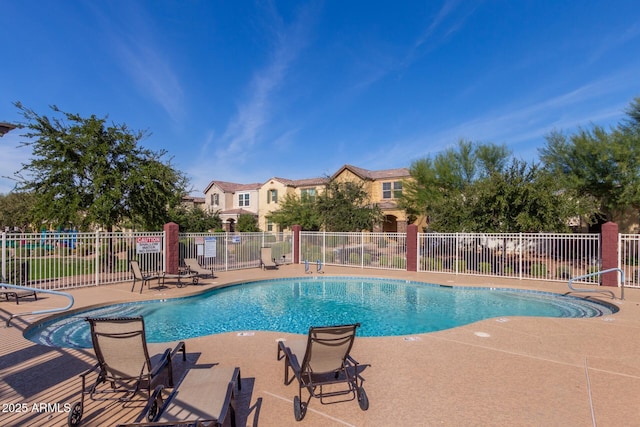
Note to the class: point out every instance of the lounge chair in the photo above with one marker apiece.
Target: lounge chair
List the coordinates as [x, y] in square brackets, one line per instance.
[323, 360]
[195, 268]
[144, 278]
[124, 367]
[205, 397]
[17, 293]
[267, 260]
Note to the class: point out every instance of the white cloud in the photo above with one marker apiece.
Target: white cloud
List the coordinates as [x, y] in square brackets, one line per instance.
[255, 112]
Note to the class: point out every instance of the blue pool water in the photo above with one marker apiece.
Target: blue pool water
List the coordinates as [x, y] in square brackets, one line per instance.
[383, 307]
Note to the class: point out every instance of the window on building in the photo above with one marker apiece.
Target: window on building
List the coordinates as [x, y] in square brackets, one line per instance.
[391, 190]
[269, 226]
[272, 196]
[243, 199]
[308, 193]
[215, 199]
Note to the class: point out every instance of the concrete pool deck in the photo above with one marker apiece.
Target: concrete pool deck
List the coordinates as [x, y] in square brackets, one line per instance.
[513, 371]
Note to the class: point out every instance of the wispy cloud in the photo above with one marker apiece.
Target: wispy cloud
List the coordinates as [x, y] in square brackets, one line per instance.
[448, 20]
[152, 73]
[255, 112]
[615, 40]
[600, 101]
[138, 49]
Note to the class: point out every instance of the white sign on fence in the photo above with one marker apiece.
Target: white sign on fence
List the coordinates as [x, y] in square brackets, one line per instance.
[148, 245]
[209, 247]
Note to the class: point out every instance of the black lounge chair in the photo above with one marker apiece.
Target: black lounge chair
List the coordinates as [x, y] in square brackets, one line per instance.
[323, 360]
[17, 293]
[124, 367]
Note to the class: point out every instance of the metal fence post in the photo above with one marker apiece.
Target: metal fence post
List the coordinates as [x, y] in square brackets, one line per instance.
[97, 260]
[4, 256]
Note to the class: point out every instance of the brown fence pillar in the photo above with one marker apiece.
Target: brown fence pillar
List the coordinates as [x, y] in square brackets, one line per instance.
[296, 243]
[609, 255]
[172, 248]
[412, 247]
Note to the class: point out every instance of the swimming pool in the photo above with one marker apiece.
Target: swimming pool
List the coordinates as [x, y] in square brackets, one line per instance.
[383, 307]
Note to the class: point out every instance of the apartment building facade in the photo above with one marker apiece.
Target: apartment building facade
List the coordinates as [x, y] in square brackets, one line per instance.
[231, 200]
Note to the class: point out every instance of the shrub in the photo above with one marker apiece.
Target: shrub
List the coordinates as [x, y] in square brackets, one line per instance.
[383, 261]
[399, 262]
[485, 267]
[429, 263]
[461, 265]
[354, 258]
[538, 269]
[367, 259]
[312, 253]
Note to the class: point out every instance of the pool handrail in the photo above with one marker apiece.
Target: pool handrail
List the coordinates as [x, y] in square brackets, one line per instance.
[600, 273]
[44, 291]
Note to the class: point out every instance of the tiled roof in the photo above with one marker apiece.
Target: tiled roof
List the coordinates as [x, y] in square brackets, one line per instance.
[232, 187]
[373, 175]
[307, 182]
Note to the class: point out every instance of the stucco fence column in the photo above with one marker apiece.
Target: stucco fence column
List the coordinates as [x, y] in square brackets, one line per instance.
[172, 248]
[609, 252]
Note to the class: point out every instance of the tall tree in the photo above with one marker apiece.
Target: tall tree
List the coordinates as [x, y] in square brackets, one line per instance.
[88, 173]
[296, 210]
[600, 163]
[345, 206]
[194, 219]
[522, 198]
[247, 223]
[439, 186]
[16, 211]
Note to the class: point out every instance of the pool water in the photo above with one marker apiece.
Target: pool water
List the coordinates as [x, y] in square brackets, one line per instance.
[383, 307]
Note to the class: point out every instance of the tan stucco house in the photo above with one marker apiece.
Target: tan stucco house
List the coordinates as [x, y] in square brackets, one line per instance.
[232, 200]
[275, 189]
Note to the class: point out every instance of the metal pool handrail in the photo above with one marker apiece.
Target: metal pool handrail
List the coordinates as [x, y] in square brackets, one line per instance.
[600, 273]
[44, 291]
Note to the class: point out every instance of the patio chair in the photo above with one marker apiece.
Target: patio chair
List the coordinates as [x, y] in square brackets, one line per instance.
[323, 361]
[195, 268]
[144, 278]
[267, 260]
[205, 397]
[17, 293]
[123, 363]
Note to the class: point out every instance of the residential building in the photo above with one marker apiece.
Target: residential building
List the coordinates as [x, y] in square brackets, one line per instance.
[275, 189]
[384, 188]
[231, 200]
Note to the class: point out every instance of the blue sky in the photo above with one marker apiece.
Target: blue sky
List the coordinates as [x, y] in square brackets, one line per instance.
[243, 91]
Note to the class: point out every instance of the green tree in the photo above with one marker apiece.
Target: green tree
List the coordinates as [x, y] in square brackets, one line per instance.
[247, 223]
[87, 173]
[522, 198]
[195, 220]
[296, 210]
[345, 206]
[16, 211]
[602, 164]
[440, 185]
